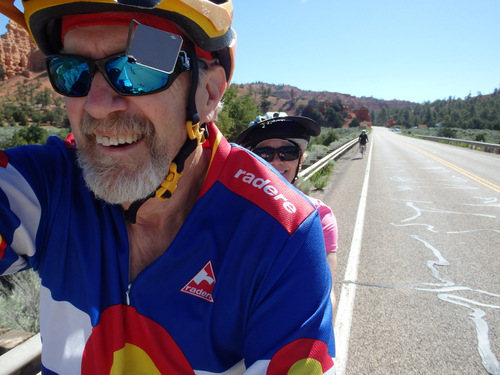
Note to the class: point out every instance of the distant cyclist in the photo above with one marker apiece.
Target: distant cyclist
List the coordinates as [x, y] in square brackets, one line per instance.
[363, 140]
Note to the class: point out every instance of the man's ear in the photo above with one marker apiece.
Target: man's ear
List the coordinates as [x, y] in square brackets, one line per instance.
[214, 84]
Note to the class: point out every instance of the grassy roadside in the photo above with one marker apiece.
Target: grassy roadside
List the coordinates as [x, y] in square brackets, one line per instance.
[475, 135]
[19, 301]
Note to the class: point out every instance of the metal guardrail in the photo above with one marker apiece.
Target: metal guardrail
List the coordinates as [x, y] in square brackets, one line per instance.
[24, 359]
[488, 147]
[308, 172]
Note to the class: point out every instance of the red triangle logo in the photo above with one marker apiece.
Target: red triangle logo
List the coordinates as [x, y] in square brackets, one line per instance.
[202, 284]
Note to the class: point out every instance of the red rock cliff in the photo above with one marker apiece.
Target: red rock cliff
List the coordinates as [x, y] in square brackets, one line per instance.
[18, 53]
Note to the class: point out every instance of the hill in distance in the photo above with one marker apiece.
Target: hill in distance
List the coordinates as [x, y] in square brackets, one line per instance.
[281, 95]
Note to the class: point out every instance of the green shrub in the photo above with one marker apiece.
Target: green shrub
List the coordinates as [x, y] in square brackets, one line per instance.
[481, 137]
[19, 307]
[320, 178]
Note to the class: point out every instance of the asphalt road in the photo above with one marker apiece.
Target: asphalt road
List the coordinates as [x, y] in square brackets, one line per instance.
[419, 258]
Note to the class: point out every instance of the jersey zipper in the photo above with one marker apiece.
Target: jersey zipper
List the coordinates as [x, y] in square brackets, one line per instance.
[127, 293]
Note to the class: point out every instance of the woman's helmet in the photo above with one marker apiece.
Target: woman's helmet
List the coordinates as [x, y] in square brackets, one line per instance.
[277, 125]
[207, 23]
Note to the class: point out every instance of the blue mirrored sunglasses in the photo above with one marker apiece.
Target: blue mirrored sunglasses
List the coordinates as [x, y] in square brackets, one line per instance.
[286, 153]
[71, 75]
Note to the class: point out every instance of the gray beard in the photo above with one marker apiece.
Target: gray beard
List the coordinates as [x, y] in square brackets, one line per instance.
[123, 180]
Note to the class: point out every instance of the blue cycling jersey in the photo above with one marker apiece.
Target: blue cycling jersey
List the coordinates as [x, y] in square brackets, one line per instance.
[242, 289]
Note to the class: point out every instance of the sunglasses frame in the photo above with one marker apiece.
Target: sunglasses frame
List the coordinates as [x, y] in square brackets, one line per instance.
[183, 64]
[278, 151]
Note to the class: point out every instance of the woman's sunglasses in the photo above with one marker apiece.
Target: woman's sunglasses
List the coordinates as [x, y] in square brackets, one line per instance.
[71, 75]
[286, 153]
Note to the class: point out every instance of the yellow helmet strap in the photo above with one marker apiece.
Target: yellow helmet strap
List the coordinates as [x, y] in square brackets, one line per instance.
[169, 184]
[196, 135]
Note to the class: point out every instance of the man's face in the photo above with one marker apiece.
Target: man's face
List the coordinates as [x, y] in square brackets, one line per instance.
[125, 144]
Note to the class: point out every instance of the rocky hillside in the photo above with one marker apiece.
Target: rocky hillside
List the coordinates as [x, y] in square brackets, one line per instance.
[18, 54]
[286, 97]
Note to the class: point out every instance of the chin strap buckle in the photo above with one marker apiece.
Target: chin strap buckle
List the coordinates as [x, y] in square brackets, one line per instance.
[169, 184]
[194, 131]
[196, 136]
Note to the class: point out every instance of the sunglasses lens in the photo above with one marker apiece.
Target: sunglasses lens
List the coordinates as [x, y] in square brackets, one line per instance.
[289, 153]
[131, 78]
[284, 153]
[265, 153]
[69, 76]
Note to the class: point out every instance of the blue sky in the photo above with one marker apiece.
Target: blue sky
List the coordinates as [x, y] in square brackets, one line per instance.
[389, 49]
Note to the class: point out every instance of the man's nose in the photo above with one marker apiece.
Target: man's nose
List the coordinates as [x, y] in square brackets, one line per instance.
[102, 99]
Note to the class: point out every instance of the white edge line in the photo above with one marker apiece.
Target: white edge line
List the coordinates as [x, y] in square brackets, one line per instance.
[345, 309]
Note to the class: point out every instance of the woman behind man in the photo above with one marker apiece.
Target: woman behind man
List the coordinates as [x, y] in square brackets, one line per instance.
[282, 141]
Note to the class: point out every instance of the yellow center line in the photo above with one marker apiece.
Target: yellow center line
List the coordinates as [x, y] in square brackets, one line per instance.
[472, 176]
